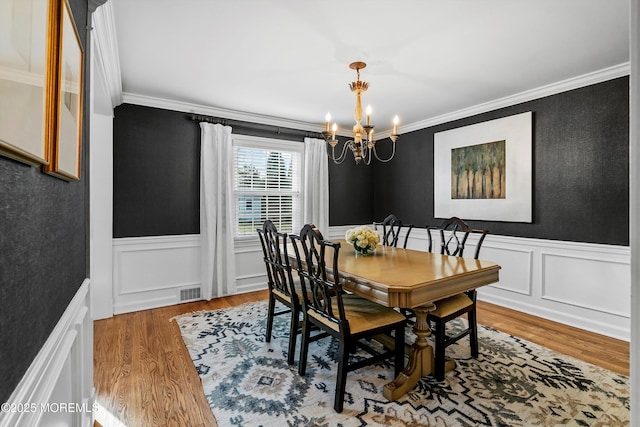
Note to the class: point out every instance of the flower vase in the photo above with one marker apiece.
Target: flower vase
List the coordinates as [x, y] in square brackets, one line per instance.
[364, 251]
[363, 239]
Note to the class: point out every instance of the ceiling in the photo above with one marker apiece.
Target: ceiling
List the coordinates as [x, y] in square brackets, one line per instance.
[289, 59]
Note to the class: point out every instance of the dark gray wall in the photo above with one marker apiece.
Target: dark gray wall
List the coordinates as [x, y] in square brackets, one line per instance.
[43, 249]
[350, 192]
[157, 174]
[156, 180]
[580, 174]
[580, 177]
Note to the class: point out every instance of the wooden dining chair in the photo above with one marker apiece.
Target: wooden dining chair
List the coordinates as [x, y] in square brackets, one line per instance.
[391, 227]
[353, 321]
[281, 283]
[453, 234]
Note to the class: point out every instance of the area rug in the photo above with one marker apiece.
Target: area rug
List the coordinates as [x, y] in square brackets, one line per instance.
[514, 382]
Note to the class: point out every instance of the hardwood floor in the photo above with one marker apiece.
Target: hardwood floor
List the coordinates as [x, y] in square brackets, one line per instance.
[143, 374]
[597, 349]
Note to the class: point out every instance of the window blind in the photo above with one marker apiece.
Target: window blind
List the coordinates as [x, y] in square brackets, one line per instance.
[267, 183]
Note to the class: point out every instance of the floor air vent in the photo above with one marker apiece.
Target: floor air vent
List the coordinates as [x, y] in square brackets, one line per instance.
[189, 294]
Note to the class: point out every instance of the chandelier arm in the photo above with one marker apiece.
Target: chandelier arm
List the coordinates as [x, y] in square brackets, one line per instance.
[366, 153]
[338, 160]
[330, 151]
[393, 153]
[343, 155]
[367, 159]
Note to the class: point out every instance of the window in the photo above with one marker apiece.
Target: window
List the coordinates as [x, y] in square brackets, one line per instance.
[267, 184]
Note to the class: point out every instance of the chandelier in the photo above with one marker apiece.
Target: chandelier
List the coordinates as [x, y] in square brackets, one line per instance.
[363, 143]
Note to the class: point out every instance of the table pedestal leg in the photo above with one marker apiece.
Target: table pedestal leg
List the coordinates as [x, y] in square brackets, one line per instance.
[421, 358]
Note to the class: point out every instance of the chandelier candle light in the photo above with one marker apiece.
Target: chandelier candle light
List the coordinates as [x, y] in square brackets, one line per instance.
[363, 144]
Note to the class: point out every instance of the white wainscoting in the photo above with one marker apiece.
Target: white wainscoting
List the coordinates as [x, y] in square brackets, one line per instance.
[583, 285]
[579, 284]
[250, 269]
[148, 272]
[57, 389]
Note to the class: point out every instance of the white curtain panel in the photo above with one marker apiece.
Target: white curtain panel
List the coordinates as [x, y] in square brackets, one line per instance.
[316, 184]
[216, 211]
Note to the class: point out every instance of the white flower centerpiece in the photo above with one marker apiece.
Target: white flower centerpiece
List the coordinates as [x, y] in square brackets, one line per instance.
[363, 238]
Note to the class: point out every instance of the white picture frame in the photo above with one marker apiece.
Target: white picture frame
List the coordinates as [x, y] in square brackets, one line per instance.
[514, 202]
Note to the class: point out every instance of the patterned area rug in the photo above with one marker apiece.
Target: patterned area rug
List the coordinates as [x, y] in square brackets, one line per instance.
[247, 382]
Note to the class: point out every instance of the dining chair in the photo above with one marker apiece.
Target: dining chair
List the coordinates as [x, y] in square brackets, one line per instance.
[351, 320]
[391, 227]
[453, 234]
[281, 283]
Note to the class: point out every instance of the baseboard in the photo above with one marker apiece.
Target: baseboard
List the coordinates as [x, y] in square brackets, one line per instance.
[252, 288]
[144, 302]
[57, 389]
[580, 322]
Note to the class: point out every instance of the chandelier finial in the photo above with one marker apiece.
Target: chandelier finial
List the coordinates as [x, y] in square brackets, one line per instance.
[358, 86]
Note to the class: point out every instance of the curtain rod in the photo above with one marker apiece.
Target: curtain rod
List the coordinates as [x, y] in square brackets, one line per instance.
[254, 126]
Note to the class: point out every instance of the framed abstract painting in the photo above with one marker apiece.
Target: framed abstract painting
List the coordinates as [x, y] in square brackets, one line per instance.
[484, 171]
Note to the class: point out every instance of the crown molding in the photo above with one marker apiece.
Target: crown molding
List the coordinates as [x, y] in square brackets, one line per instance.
[106, 53]
[529, 95]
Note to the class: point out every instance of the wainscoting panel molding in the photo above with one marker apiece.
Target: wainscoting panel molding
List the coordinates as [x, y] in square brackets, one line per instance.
[250, 270]
[57, 389]
[516, 271]
[560, 283]
[148, 271]
[579, 284]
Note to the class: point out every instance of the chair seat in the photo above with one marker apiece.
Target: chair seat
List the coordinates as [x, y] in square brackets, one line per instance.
[296, 285]
[282, 295]
[448, 306]
[363, 315]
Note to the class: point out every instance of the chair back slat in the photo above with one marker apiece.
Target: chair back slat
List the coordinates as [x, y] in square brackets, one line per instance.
[454, 233]
[391, 227]
[274, 248]
[321, 289]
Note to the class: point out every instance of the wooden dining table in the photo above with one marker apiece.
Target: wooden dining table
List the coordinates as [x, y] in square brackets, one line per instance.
[412, 279]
